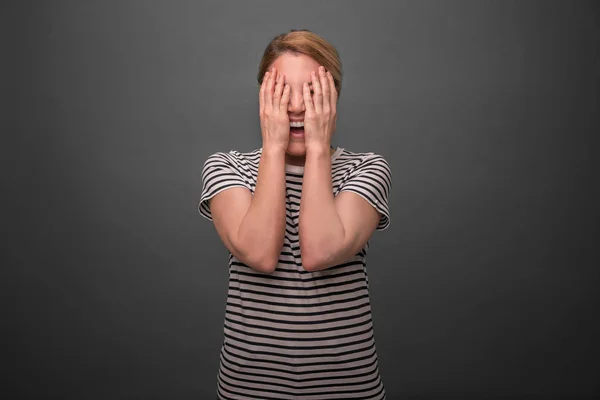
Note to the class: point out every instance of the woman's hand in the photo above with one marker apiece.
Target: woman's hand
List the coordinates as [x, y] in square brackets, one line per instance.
[274, 120]
[320, 115]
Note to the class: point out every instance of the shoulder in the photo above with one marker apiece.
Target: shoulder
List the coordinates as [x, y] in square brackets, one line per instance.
[353, 161]
[235, 156]
[223, 170]
[368, 175]
[233, 159]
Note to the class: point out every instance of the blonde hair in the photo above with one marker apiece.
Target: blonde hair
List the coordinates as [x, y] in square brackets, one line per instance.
[303, 41]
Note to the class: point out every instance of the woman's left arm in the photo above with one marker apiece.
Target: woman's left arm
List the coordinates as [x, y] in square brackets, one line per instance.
[331, 230]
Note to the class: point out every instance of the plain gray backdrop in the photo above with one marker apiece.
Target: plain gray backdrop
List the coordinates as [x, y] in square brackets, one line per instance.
[485, 283]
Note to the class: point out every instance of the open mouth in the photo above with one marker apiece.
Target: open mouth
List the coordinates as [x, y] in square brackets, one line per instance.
[297, 128]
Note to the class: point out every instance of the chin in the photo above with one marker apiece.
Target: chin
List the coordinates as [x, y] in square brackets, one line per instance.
[296, 152]
[296, 149]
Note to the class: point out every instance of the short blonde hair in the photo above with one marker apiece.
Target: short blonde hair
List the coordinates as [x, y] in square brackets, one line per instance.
[303, 41]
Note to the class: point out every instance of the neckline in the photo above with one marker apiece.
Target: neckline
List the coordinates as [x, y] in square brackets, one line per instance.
[299, 169]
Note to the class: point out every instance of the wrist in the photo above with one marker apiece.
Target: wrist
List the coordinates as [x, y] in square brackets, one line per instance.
[274, 150]
[318, 149]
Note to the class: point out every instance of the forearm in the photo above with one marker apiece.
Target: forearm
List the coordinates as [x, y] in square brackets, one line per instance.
[320, 227]
[263, 227]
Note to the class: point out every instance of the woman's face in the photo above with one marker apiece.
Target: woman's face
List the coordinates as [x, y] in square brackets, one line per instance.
[297, 69]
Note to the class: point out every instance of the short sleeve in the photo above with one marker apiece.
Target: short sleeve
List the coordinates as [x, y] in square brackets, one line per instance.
[372, 180]
[220, 172]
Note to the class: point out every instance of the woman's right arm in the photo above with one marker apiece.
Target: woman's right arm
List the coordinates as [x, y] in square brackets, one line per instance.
[252, 227]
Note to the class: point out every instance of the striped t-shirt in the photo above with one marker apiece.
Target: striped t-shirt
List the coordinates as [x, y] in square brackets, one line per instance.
[294, 334]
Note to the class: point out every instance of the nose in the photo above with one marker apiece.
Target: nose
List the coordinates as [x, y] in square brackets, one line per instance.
[296, 103]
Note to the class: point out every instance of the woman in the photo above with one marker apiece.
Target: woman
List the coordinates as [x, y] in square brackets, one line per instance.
[296, 216]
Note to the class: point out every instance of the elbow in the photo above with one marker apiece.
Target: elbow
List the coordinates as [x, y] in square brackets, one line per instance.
[266, 266]
[261, 258]
[311, 256]
[314, 261]
[265, 263]
[319, 256]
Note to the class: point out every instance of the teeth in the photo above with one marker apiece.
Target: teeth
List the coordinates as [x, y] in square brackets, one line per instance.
[297, 124]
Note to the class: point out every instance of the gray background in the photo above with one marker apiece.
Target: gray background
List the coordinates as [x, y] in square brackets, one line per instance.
[486, 281]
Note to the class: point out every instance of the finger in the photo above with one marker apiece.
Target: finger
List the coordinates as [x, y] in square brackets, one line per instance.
[308, 103]
[278, 89]
[285, 98]
[318, 94]
[263, 89]
[324, 81]
[333, 95]
[269, 89]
